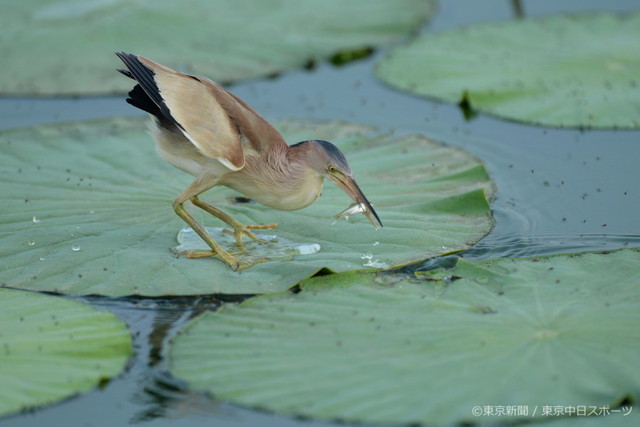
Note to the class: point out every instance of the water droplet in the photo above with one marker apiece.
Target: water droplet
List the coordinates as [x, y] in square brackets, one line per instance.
[75, 248]
[370, 262]
[35, 220]
[31, 243]
[308, 249]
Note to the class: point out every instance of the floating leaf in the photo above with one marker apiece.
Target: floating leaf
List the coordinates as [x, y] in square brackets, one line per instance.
[53, 348]
[66, 47]
[372, 348]
[87, 210]
[571, 71]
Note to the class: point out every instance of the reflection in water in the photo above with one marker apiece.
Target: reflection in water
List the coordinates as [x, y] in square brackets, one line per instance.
[162, 396]
[153, 323]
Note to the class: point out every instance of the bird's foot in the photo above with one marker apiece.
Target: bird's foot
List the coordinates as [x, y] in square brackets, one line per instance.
[229, 259]
[240, 229]
[236, 263]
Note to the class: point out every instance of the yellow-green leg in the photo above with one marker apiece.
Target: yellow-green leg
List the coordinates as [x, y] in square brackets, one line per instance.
[216, 249]
[238, 228]
[191, 193]
[198, 186]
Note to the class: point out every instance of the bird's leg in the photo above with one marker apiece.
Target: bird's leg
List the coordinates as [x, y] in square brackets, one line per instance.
[216, 249]
[191, 192]
[238, 228]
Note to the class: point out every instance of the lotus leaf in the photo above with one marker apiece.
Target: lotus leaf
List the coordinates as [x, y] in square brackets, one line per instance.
[374, 348]
[568, 71]
[52, 348]
[65, 47]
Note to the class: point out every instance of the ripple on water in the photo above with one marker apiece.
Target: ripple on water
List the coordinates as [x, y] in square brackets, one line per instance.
[547, 244]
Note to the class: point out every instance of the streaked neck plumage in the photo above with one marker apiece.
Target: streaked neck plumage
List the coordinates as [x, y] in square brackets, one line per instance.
[288, 183]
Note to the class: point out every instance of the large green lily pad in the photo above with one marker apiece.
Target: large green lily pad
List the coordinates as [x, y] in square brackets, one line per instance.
[87, 210]
[65, 47]
[570, 71]
[53, 348]
[373, 348]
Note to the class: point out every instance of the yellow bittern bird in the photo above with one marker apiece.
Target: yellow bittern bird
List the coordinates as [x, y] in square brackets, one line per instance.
[210, 133]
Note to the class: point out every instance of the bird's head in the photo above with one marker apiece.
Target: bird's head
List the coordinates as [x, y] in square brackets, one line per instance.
[329, 162]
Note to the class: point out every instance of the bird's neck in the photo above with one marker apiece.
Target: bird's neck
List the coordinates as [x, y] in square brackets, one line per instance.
[300, 185]
[294, 162]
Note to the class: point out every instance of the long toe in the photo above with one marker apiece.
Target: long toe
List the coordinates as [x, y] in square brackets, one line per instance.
[261, 226]
[197, 254]
[234, 262]
[240, 230]
[249, 234]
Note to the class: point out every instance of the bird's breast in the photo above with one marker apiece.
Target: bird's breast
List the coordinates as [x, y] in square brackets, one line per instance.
[298, 199]
[292, 193]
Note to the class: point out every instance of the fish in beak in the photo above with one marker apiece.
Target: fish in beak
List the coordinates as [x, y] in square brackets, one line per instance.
[361, 205]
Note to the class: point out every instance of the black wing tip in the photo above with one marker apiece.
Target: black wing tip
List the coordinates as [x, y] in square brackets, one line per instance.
[146, 94]
[125, 73]
[128, 59]
[122, 55]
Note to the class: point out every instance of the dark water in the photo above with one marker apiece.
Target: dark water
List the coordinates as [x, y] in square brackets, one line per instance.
[558, 191]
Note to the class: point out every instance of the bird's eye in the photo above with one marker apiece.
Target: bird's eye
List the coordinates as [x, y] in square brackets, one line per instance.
[332, 168]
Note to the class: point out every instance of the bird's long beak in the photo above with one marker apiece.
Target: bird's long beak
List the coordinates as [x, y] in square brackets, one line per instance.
[349, 185]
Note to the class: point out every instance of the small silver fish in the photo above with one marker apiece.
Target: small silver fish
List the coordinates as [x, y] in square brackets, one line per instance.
[357, 208]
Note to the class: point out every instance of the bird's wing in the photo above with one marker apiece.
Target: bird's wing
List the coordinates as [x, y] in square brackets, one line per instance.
[216, 122]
